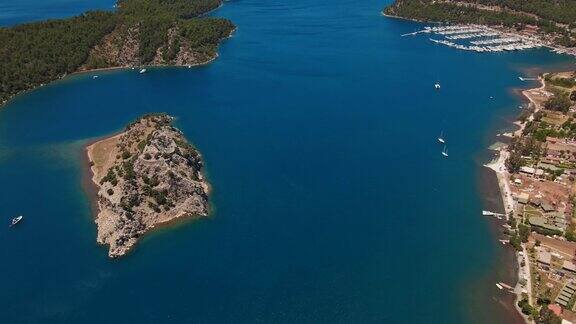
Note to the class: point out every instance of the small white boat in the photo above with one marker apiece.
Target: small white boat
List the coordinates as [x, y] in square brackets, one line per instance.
[437, 86]
[16, 220]
[95, 77]
[189, 66]
[441, 137]
[499, 286]
[445, 152]
[142, 71]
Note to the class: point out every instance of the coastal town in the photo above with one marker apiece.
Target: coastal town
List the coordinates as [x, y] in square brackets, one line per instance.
[536, 169]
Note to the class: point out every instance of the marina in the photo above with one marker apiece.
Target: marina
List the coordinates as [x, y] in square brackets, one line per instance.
[478, 38]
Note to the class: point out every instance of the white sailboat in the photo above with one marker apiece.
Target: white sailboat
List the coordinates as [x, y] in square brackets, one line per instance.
[441, 137]
[445, 152]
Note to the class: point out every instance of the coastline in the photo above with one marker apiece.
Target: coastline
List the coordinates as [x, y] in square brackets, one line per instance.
[513, 260]
[499, 168]
[553, 47]
[114, 68]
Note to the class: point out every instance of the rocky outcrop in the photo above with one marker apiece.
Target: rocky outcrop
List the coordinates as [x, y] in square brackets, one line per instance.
[122, 47]
[119, 48]
[147, 175]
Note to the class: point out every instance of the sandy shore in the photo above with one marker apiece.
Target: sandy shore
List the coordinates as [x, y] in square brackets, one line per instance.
[499, 167]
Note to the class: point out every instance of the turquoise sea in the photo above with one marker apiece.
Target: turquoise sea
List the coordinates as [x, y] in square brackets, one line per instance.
[332, 202]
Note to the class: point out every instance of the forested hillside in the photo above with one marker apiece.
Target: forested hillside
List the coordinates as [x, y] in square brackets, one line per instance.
[562, 11]
[140, 32]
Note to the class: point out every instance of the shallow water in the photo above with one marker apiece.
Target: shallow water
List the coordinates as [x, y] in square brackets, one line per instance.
[332, 202]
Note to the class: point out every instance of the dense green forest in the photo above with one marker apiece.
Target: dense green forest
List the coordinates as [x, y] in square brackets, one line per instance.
[38, 53]
[562, 11]
[548, 15]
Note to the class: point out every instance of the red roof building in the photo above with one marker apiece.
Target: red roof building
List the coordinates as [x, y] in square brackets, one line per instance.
[557, 309]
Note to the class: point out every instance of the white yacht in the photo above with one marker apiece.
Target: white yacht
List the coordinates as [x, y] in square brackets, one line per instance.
[16, 220]
[437, 86]
[142, 71]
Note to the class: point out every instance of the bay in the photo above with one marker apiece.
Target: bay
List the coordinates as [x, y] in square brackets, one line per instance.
[331, 203]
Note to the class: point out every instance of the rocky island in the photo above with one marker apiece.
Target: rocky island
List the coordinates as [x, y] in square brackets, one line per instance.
[147, 175]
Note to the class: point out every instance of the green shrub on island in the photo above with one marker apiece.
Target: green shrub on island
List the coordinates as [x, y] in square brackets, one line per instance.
[110, 177]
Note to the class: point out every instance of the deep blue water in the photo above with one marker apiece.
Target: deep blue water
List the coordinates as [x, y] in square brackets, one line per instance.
[332, 203]
[20, 11]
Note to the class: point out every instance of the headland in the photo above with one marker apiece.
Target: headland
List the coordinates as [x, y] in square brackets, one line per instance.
[139, 33]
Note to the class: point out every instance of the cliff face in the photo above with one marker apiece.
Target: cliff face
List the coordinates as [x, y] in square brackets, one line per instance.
[146, 176]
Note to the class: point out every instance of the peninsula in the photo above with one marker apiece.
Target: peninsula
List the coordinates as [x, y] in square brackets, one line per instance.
[147, 175]
[137, 33]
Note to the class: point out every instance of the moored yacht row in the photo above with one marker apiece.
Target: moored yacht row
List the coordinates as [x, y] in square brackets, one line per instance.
[488, 39]
[497, 48]
[473, 35]
[497, 41]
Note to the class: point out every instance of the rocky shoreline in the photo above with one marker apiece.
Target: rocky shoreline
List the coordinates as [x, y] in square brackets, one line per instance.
[145, 176]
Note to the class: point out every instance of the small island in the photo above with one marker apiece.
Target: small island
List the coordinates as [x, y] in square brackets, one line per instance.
[147, 175]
